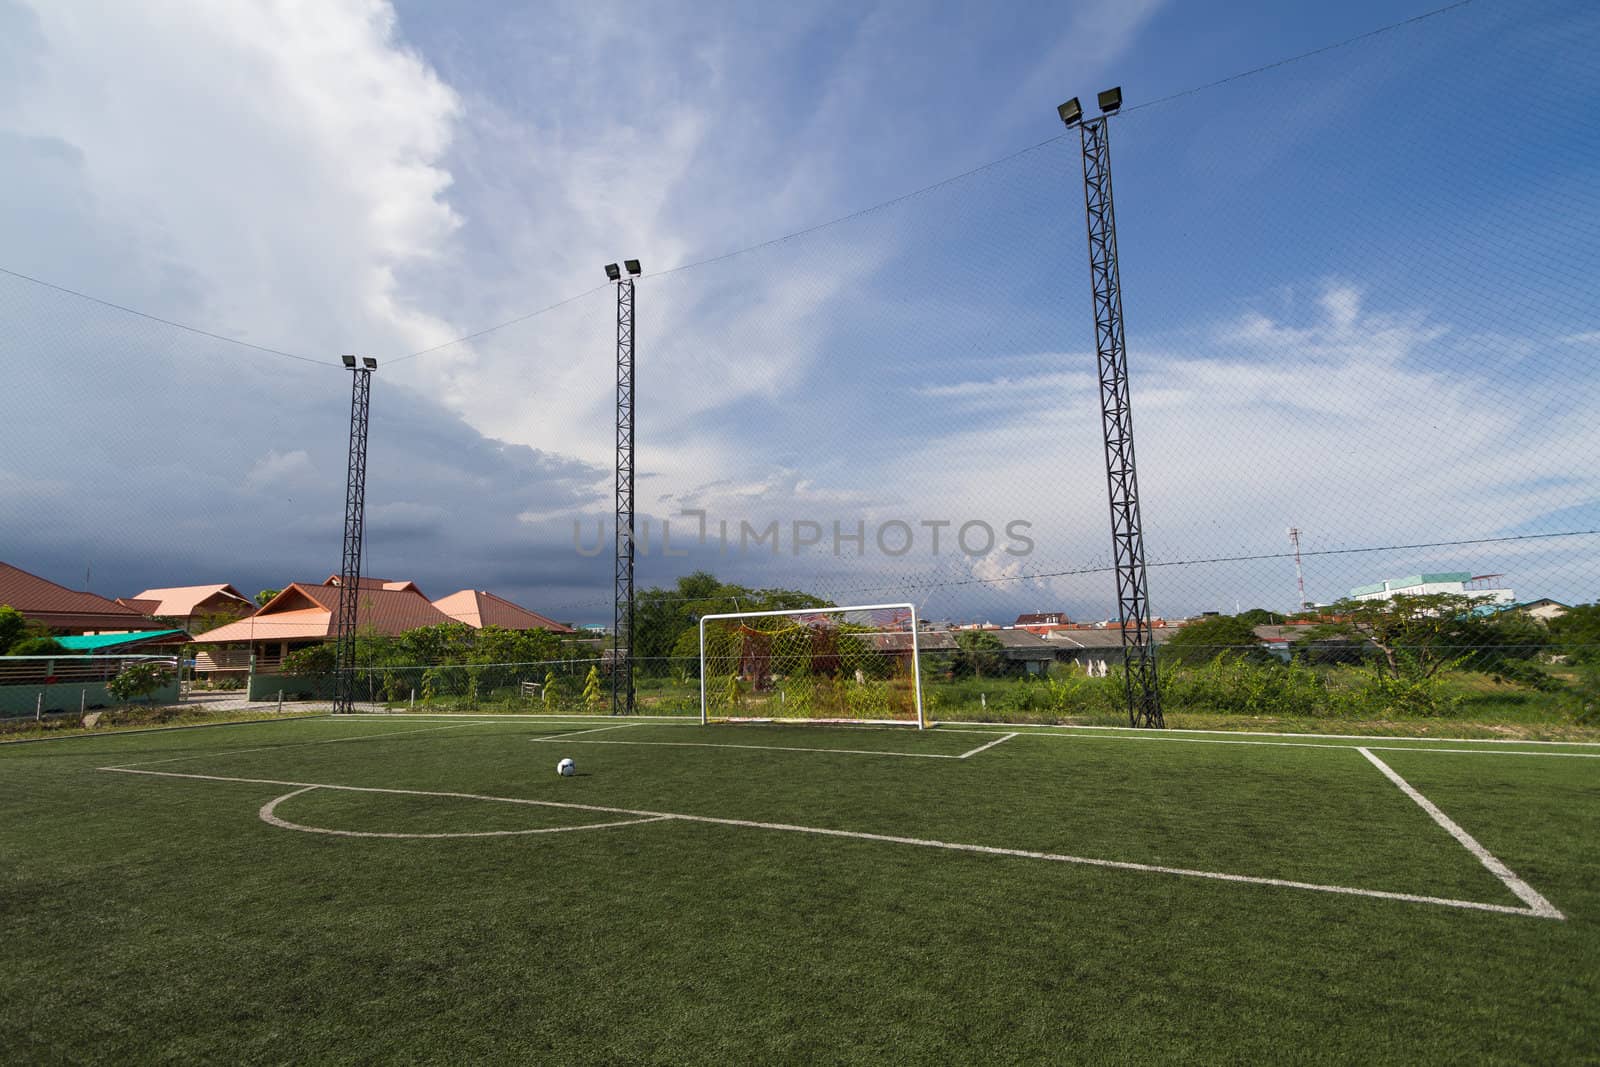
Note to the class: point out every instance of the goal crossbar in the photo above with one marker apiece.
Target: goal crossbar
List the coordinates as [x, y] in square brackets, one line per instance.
[910, 609]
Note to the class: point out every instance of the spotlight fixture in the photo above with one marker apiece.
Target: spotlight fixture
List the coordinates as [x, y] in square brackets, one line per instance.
[613, 272]
[369, 362]
[349, 361]
[1070, 112]
[633, 266]
[1110, 100]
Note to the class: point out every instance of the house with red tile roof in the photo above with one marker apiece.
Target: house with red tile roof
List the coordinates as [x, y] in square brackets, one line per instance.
[63, 610]
[479, 608]
[303, 615]
[191, 605]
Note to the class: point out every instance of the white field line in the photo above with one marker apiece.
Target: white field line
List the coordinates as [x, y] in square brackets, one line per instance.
[1525, 892]
[988, 850]
[596, 730]
[269, 816]
[492, 716]
[1111, 731]
[293, 744]
[991, 744]
[763, 748]
[1159, 736]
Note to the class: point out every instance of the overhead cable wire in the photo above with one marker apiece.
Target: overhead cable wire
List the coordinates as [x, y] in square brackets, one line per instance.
[840, 220]
[165, 322]
[1295, 59]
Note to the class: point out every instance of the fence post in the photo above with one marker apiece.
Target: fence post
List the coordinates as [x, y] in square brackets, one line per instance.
[413, 705]
[83, 702]
[280, 702]
[38, 707]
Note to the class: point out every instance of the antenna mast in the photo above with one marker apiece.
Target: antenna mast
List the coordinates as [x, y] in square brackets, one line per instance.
[1299, 572]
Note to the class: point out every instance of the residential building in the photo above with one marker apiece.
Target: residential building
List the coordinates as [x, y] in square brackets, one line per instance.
[302, 615]
[1481, 587]
[1544, 609]
[479, 608]
[1042, 622]
[192, 606]
[1098, 645]
[63, 610]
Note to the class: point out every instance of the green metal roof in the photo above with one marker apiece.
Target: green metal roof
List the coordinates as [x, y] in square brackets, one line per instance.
[95, 642]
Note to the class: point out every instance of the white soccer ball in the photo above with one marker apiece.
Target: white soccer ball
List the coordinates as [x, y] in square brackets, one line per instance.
[566, 768]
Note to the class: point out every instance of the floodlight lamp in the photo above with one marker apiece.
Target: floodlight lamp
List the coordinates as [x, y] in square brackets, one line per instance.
[369, 362]
[349, 361]
[1070, 112]
[1110, 100]
[613, 272]
[633, 267]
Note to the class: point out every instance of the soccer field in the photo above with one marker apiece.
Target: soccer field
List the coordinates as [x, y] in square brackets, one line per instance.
[397, 887]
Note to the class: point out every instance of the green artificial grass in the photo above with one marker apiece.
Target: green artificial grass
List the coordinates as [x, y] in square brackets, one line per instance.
[151, 917]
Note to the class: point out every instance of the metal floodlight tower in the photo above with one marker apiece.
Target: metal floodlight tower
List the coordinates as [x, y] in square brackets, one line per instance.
[1116, 414]
[355, 511]
[622, 695]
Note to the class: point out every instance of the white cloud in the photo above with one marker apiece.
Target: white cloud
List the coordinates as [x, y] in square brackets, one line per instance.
[270, 176]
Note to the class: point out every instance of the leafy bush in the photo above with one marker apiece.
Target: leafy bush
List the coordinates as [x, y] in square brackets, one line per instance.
[138, 680]
[310, 662]
[1234, 685]
[1405, 697]
[36, 646]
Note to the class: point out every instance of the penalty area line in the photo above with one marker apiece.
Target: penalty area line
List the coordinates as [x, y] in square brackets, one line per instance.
[918, 842]
[1524, 892]
[991, 744]
[596, 730]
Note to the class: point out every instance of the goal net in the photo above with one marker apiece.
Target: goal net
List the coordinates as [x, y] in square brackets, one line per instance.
[839, 664]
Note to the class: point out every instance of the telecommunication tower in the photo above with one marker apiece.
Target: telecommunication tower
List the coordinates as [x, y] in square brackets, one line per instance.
[1299, 572]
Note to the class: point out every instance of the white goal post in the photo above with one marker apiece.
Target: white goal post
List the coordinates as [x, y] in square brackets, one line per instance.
[846, 643]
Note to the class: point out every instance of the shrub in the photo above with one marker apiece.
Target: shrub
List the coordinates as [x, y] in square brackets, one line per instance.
[36, 646]
[138, 680]
[1237, 686]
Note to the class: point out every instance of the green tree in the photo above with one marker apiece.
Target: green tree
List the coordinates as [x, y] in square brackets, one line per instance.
[13, 627]
[1576, 633]
[1416, 635]
[591, 688]
[979, 654]
[666, 621]
[1213, 636]
[265, 595]
[310, 662]
[36, 646]
[1261, 617]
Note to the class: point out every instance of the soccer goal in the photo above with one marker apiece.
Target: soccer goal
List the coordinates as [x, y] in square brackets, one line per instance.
[858, 663]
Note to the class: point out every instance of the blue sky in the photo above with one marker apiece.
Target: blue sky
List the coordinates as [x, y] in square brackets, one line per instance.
[1360, 290]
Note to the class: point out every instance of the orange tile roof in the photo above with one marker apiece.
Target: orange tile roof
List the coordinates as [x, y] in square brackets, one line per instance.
[61, 608]
[181, 601]
[479, 608]
[375, 583]
[305, 612]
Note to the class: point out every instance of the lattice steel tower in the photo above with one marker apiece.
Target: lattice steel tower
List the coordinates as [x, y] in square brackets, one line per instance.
[355, 514]
[622, 611]
[1143, 689]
